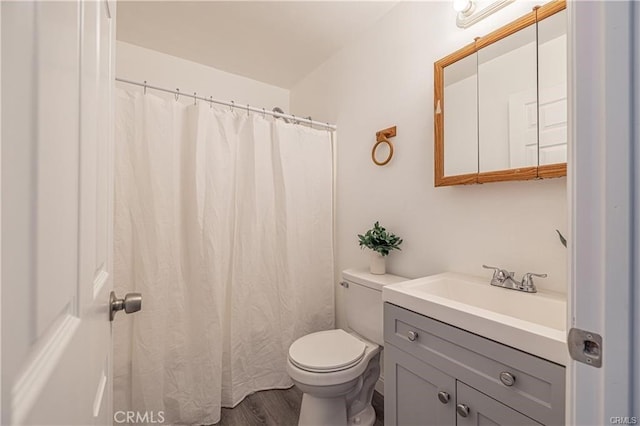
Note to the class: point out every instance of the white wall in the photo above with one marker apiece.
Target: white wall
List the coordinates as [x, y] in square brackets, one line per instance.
[159, 69]
[384, 78]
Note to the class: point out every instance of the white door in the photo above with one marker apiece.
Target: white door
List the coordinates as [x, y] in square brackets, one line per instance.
[532, 143]
[57, 65]
[523, 129]
[552, 132]
[604, 198]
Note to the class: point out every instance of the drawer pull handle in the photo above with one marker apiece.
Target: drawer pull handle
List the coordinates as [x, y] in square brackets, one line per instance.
[462, 409]
[412, 335]
[507, 378]
[444, 397]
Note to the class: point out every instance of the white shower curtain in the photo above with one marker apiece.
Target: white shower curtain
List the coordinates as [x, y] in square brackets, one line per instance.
[223, 221]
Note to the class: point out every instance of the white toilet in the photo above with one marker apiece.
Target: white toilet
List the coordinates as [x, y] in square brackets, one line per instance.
[337, 371]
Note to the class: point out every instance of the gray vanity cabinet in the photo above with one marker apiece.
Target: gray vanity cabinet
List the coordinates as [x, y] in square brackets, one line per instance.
[439, 374]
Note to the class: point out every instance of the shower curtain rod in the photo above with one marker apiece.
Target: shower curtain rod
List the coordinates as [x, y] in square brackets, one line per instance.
[177, 93]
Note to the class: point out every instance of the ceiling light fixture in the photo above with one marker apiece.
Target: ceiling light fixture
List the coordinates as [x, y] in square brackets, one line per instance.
[466, 8]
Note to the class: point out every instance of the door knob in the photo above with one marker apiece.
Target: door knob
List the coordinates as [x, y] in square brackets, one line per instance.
[131, 303]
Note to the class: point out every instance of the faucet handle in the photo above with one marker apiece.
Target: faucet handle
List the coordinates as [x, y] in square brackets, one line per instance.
[499, 273]
[495, 269]
[527, 279]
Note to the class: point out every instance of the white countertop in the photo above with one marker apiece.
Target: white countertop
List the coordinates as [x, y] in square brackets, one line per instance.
[531, 322]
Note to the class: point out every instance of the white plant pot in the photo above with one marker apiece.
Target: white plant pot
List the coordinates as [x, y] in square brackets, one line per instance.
[377, 264]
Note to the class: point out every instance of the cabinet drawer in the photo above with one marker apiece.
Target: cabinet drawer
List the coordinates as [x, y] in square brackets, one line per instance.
[538, 390]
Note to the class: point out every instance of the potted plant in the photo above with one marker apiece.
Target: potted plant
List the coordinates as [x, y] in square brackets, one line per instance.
[381, 243]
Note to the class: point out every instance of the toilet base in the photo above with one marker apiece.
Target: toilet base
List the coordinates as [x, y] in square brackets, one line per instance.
[332, 411]
[348, 404]
[322, 411]
[366, 417]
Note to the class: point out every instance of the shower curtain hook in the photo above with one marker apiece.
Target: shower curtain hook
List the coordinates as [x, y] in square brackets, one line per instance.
[211, 101]
[177, 95]
[294, 121]
[195, 99]
[233, 104]
[310, 122]
[264, 113]
[247, 110]
[145, 87]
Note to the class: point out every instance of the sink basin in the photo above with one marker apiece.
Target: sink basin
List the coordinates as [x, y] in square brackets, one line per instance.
[532, 322]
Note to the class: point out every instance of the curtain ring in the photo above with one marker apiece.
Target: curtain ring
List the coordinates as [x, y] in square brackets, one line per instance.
[294, 120]
[247, 110]
[144, 91]
[375, 148]
[195, 99]
[310, 122]
[211, 101]
[264, 113]
[177, 95]
[233, 105]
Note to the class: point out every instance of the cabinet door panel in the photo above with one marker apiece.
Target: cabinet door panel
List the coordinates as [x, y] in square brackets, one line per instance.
[484, 410]
[411, 389]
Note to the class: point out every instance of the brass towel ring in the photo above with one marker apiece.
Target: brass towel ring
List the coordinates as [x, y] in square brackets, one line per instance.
[382, 136]
[382, 140]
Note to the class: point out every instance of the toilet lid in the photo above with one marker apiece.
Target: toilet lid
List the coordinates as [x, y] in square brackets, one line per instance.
[326, 351]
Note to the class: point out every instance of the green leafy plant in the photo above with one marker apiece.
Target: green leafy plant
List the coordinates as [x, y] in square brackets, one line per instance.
[378, 239]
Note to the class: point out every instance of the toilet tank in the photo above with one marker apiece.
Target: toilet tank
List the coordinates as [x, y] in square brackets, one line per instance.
[363, 301]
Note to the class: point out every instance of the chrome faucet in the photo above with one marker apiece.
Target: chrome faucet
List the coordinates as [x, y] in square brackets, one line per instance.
[503, 278]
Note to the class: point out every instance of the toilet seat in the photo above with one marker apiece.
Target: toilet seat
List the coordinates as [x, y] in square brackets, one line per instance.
[327, 351]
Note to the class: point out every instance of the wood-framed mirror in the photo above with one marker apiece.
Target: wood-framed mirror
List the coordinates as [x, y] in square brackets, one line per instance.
[500, 103]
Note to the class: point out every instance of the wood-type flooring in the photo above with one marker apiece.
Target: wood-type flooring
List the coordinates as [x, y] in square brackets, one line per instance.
[278, 407]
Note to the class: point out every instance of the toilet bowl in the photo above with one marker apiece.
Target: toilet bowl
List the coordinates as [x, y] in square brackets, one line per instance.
[337, 370]
[337, 373]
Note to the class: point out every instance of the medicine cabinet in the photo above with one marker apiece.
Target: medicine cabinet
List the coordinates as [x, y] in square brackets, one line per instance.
[501, 103]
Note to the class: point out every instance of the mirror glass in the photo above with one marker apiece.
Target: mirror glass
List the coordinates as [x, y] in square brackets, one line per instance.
[508, 108]
[552, 84]
[500, 103]
[461, 117]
